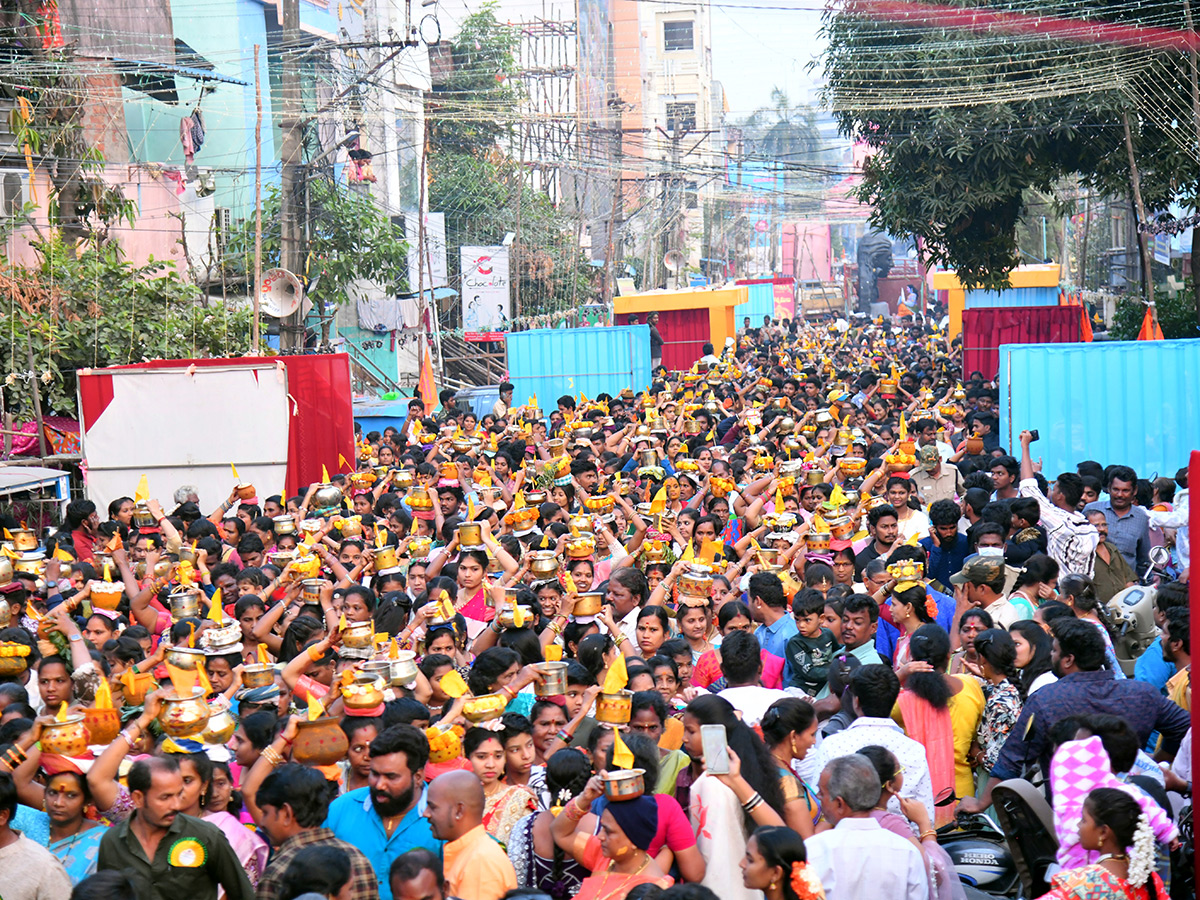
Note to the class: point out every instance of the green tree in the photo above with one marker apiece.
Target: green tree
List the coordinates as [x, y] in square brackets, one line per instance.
[962, 125]
[85, 305]
[349, 238]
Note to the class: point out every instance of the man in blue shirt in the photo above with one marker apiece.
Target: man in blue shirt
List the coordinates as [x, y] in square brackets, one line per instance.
[383, 819]
[947, 548]
[1128, 525]
[768, 605]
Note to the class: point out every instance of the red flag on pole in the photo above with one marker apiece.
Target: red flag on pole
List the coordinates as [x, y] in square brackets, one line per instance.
[1085, 325]
[1151, 330]
[425, 385]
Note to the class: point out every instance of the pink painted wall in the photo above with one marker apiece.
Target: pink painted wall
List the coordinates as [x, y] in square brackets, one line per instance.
[156, 232]
[809, 242]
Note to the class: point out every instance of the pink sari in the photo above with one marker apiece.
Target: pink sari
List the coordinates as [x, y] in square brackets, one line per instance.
[933, 729]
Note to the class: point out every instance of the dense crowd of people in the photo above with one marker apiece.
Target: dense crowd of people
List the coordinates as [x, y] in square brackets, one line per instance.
[770, 628]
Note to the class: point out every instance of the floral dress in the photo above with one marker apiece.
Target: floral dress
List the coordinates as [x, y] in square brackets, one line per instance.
[999, 715]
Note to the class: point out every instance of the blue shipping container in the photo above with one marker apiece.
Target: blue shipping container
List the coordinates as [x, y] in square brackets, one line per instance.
[550, 362]
[761, 303]
[1027, 296]
[1136, 403]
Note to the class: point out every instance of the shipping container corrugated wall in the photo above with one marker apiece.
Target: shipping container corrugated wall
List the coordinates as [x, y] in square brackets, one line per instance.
[986, 330]
[1021, 296]
[550, 362]
[1136, 403]
[761, 303]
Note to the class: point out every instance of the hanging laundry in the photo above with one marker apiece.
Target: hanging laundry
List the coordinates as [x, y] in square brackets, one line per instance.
[197, 130]
[379, 314]
[185, 138]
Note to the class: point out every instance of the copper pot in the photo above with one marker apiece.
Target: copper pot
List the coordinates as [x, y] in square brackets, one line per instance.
[246, 491]
[258, 675]
[615, 709]
[142, 517]
[184, 602]
[220, 728]
[69, 737]
[25, 539]
[419, 547]
[319, 742]
[183, 717]
[588, 604]
[364, 692]
[385, 558]
[544, 564]
[470, 535]
[187, 658]
[358, 635]
[554, 679]
[624, 784]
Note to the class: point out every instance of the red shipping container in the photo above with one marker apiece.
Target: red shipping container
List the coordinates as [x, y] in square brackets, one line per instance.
[986, 328]
[684, 332]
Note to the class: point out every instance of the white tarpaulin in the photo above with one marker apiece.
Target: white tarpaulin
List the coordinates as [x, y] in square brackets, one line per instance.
[184, 426]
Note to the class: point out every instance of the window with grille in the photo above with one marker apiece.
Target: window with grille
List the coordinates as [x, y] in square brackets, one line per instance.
[677, 36]
[681, 117]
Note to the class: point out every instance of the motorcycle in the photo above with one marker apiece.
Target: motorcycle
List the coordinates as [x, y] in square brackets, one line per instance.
[979, 850]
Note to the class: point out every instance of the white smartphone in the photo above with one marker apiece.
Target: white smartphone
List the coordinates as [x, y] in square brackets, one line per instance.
[716, 749]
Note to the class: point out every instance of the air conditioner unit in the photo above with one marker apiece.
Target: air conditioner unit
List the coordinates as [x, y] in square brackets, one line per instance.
[222, 229]
[14, 193]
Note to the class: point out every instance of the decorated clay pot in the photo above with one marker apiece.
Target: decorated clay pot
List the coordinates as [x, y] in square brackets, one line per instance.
[67, 738]
[319, 742]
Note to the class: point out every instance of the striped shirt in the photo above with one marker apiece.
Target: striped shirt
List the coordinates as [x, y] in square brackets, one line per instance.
[1070, 538]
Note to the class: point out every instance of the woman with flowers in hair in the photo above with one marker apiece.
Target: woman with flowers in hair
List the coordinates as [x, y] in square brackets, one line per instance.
[1113, 825]
[912, 606]
[777, 864]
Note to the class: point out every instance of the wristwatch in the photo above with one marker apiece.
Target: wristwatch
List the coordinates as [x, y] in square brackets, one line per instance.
[75, 637]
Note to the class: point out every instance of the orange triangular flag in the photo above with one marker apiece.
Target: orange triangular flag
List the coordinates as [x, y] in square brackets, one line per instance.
[1085, 326]
[183, 680]
[617, 677]
[659, 503]
[202, 678]
[622, 755]
[1151, 330]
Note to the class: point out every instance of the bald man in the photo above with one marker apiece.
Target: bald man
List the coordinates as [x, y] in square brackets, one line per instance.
[476, 866]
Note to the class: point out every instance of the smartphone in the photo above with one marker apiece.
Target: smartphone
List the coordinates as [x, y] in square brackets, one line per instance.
[1033, 435]
[716, 749]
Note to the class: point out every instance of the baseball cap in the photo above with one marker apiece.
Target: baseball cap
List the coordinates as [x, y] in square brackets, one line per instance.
[980, 569]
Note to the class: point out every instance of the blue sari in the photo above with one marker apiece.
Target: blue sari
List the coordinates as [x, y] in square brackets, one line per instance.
[79, 853]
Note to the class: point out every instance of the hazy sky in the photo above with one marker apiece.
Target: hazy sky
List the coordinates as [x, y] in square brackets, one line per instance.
[755, 50]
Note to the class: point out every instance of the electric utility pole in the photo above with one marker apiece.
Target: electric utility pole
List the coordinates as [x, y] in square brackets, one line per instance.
[291, 328]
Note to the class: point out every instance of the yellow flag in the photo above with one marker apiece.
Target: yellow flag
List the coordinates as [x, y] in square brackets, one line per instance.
[453, 684]
[518, 616]
[394, 649]
[264, 658]
[202, 679]
[470, 507]
[519, 501]
[659, 503]
[63, 556]
[184, 570]
[711, 436]
[342, 464]
[837, 498]
[903, 428]
[552, 652]
[622, 755]
[617, 677]
[778, 499]
[215, 612]
[236, 476]
[342, 623]
[183, 680]
[569, 583]
[61, 715]
[710, 551]
[143, 490]
[689, 554]
[315, 708]
[912, 539]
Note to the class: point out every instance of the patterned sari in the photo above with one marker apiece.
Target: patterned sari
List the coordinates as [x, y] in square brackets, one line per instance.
[505, 807]
[1097, 883]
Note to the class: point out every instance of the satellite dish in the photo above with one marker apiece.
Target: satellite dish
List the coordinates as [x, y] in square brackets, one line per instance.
[673, 261]
[280, 293]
